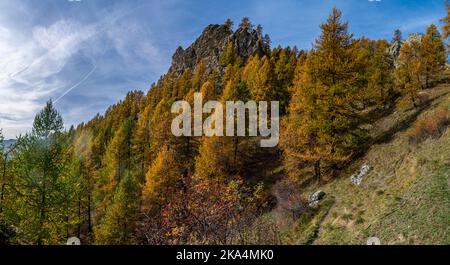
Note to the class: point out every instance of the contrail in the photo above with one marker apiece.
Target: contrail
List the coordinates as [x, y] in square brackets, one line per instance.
[79, 83]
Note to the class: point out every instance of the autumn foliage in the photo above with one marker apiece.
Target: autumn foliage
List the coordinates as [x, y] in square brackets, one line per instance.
[123, 178]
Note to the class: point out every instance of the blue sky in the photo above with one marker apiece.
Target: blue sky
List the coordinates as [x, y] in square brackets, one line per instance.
[87, 54]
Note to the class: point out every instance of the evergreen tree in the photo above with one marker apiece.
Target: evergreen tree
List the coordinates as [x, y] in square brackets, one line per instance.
[246, 24]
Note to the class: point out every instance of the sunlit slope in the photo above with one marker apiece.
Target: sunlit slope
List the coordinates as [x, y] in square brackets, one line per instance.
[405, 199]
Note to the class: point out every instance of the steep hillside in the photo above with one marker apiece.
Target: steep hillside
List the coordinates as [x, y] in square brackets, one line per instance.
[405, 197]
[377, 107]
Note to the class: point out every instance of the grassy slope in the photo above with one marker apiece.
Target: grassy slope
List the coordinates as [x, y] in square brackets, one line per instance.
[405, 199]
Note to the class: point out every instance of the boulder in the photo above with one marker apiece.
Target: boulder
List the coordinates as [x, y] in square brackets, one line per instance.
[316, 197]
[358, 177]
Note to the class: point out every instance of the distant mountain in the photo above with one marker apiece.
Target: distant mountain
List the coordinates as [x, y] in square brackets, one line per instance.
[8, 143]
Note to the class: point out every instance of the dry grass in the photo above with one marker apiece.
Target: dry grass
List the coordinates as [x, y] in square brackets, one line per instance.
[430, 126]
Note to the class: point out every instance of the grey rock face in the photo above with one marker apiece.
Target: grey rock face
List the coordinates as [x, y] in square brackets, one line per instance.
[247, 43]
[210, 45]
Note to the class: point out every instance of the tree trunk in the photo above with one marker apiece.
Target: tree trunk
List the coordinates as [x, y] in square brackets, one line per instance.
[236, 143]
[317, 171]
[79, 217]
[41, 218]
[89, 216]
[2, 197]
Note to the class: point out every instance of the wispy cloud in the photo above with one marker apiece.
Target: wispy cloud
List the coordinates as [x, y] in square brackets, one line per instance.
[26, 79]
[37, 65]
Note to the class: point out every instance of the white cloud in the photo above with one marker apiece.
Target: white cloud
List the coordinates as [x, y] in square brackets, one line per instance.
[58, 57]
[26, 77]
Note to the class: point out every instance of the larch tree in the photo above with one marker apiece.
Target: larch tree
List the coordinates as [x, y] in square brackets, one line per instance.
[141, 142]
[258, 75]
[161, 180]
[43, 186]
[322, 128]
[376, 69]
[285, 64]
[116, 165]
[433, 56]
[446, 22]
[408, 71]
[3, 181]
[118, 225]
[228, 55]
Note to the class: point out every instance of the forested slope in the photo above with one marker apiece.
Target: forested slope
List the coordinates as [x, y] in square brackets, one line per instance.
[124, 178]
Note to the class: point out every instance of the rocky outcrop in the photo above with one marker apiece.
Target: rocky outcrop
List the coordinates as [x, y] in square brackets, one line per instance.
[396, 45]
[210, 45]
[414, 38]
[394, 49]
[247, 42]
[207, 47]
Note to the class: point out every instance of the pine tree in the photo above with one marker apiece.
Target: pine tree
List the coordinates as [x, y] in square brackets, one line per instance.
[246, 24]
[397, 36]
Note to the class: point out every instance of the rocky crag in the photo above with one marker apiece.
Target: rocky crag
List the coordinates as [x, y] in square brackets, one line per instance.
[209, 46]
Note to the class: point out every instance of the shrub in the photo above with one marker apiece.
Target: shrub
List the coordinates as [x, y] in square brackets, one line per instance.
[289, 198]
[430, 126]
[423, 97]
